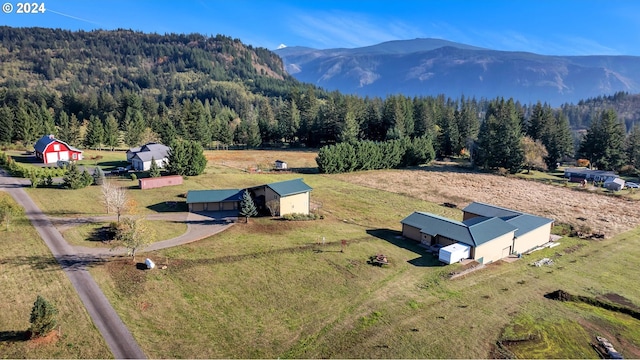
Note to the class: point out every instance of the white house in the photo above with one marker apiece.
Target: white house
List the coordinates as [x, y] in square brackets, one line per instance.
[140, 157]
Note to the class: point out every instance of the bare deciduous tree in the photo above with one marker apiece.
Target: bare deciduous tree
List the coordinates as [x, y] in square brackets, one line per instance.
[114, 198]
[134, 234]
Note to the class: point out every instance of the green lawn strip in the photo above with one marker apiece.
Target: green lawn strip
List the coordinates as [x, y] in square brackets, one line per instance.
[90, 234]
[27, 269]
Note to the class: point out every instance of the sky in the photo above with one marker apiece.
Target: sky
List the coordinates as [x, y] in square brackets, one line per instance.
[549, 27]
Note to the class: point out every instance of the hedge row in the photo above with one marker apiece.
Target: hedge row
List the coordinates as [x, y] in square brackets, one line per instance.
[370, 155]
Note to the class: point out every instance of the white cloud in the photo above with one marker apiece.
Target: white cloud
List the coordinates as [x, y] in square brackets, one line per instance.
[330, 29]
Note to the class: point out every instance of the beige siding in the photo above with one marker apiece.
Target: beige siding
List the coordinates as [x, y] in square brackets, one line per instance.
[533, 239]
[494, 250]
[295, 204]
[411, 232]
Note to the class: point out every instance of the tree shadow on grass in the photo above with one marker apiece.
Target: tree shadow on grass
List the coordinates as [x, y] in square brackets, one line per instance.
[395, 237]
[169, 206]
[48, 263]
[14, 336]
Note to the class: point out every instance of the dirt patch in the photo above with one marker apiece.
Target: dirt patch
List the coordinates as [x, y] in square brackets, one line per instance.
[127, 276]
[620, 300]
[50, 338]
[607, 215]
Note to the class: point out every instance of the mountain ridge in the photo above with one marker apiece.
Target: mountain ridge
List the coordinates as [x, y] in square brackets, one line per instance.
[421, 67]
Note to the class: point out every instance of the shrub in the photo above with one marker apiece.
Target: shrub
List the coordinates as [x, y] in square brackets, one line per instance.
[43, 317]
[582, 162]
[302, 217]
[134, 177]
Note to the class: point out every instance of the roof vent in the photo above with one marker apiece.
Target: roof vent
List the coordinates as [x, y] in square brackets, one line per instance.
[51, 136]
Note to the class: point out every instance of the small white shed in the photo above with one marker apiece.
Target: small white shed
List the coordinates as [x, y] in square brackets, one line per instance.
[280, 165]
[614, 184]
[454, 253]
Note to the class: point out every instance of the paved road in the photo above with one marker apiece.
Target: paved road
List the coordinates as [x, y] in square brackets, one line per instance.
[199, 226]
[115, 333]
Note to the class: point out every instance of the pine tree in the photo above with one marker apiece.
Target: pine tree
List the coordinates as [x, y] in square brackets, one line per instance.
[247, 206]
[603, 145]
[499, 139]
[632, 146]
[95, 133]
[154, 170]
[43, 317]
[111, 132]
[6, 125]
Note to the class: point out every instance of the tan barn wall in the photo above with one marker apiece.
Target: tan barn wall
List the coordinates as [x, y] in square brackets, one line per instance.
[295, 204]
[533, 239]
[411, 232]
[493, 250]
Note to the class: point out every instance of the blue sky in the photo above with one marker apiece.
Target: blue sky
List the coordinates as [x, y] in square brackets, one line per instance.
[550, 27]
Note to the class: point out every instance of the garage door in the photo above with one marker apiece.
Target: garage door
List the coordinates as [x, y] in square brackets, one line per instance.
[197, 207]
[52, 157]
[64, 155]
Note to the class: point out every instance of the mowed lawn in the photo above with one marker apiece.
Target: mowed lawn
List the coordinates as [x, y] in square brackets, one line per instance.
[271, 288]
[27, 269]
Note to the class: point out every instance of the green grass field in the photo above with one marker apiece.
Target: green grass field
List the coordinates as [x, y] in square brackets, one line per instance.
[271, 289]
[27, 269]
[89, 234]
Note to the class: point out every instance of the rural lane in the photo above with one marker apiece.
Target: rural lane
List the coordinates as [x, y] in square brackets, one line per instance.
[117, 336]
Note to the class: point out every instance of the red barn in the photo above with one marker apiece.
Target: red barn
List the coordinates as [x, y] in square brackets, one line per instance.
[49, 150]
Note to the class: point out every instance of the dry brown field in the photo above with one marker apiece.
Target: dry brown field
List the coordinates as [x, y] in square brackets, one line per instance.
[261, 159]
[601, 213]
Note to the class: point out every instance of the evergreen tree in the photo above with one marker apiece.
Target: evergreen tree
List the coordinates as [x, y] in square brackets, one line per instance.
[632, 145]
[98, 176]
[111, 132]
[499, 139]
[289, 121]
[186, 158]
[43, 317]
[247, 206]
[28, 126]
[6, 125]
[350, 128]
[95, 133]
[133, 127]
[253, 135]
[603, 145]
[48, 122]
[154, 169]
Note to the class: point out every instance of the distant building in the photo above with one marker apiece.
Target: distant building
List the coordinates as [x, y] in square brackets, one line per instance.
[280, 165]
[50, 150]
[580, 174]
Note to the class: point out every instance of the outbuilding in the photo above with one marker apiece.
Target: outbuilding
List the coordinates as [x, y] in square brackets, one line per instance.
[614, 184]
[214, 200]
[454, 253]
[280, 165]
[50, 150]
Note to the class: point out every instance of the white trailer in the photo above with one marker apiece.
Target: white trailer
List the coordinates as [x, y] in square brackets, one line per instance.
[454, 253]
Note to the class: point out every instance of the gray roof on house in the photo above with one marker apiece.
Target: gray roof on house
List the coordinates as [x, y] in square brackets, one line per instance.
[473, 232]
[289, 187]
[209, 196]
[488, 210]
[44, 141]
[586, 171]
[150, 150]
[615, 180]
